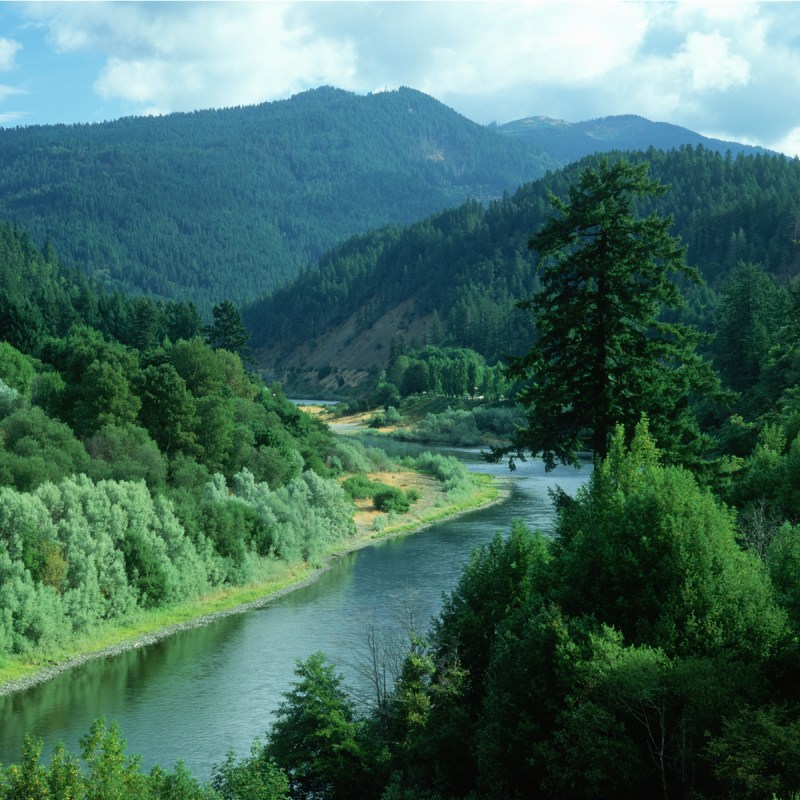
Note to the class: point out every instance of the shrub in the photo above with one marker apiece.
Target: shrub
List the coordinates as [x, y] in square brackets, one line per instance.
[390, 499]
[360, 487]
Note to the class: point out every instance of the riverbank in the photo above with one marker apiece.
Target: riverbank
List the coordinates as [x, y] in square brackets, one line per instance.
[18, 674]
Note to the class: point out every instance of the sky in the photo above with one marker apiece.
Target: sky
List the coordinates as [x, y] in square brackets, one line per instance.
[730, 70]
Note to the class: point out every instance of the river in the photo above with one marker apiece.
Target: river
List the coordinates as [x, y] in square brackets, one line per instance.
[203, 692]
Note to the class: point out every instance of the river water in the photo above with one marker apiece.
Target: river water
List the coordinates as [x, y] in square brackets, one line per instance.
[203, 692]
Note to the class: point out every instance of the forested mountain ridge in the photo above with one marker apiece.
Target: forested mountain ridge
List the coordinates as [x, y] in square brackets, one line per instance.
[455, 277]
[234, 202]
[570, 141]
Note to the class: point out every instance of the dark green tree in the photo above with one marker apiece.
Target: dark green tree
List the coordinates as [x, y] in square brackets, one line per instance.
[168, 410]
[227, 332]
[316, 737]
[602, 355]
[645, 549]
[748, 323]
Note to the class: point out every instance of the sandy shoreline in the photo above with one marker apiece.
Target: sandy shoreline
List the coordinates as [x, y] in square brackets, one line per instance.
[43, 675]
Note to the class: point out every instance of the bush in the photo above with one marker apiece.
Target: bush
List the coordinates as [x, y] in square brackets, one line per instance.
[392, 416]
[450, 427]
[390, 499]
[359, 487]
[443, 468]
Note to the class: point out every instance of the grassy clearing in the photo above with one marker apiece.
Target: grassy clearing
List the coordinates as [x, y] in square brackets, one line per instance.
[276, 578]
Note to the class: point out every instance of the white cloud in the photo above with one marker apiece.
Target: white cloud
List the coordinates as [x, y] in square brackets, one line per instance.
[187, 55]
[708, 63]
[169, 57]
[8, 50]
[788, 144]
[709, 66]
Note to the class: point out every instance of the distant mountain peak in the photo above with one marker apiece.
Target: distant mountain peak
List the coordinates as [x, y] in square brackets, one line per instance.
[571, 141]
[537, 123]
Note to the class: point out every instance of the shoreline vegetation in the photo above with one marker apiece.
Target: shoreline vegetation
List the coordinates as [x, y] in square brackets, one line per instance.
[20, 673]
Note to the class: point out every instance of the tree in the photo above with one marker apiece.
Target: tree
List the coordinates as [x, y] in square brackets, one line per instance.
[602, 355]
[227, 331]
[316, 738]
[645, 549]
[111, 775]
[250, 777]
[748, 323]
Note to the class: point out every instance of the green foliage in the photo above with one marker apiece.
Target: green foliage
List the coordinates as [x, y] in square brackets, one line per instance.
[724, 210]
[106, 773]
[227, 331]
[783, 561]
[656, 557]
[37, 448]
[127, 454]
[316, 738]
[758, 754]
[169, 411]
[749, 317]
[455, 427]
[449, 471]
[602, 356]
[110, 774]
[360, 487]
[251, 778]
[16, 369]
[492, 585]
[612, 660]
[392, 499]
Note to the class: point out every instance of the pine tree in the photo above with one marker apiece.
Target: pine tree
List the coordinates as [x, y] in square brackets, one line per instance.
[602, 355]
[228, 332]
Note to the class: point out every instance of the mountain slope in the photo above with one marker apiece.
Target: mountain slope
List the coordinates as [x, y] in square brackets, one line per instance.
[454, 278]
[233, 203]
[570, 141]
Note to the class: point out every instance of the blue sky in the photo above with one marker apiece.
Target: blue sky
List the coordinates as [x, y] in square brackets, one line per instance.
[725, 69]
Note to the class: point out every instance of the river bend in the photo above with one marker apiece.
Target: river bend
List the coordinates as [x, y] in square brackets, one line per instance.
[205, 691]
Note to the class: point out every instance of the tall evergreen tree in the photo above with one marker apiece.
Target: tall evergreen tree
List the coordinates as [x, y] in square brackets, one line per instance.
[227, 331]
[748, 323]
[602, 355]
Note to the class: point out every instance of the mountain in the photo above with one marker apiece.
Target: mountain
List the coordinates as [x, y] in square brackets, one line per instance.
[570, 141]
[454, 278]
[233, 203]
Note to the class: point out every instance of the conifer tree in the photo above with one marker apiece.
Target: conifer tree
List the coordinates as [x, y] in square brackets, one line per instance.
[603, 356]
[227, 331]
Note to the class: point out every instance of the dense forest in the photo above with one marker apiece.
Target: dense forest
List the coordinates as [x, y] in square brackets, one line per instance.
[235, 202]
[141, 464]
[458, 275]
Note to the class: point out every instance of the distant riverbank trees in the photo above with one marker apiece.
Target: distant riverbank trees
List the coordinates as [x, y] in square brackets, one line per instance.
[449, 371]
